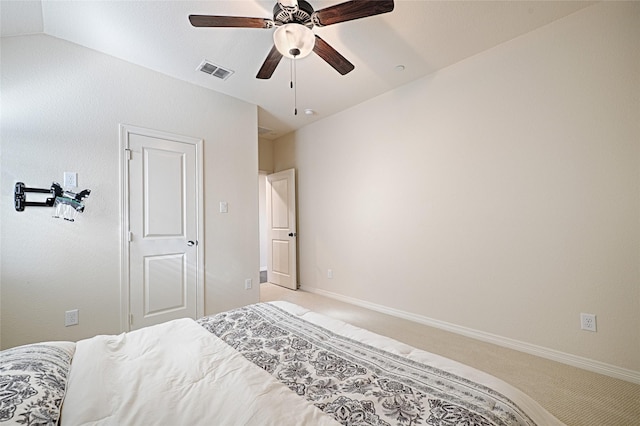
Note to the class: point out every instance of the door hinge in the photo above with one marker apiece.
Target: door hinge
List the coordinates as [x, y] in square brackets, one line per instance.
[128, 153]
[130, 236]
[130, 319]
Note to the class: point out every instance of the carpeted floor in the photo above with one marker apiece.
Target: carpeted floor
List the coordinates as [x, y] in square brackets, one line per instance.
[575, 396]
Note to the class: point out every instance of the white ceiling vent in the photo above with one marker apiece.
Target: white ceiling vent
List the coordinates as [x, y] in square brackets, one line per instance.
[214, 70]
[264, 130]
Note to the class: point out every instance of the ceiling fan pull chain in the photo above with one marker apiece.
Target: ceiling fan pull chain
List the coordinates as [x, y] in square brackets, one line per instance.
[293, 85]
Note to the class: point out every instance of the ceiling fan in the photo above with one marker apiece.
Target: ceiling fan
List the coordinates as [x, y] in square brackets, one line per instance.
[293, 37]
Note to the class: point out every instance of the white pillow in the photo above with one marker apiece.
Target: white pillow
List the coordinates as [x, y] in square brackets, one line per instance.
[33, 382]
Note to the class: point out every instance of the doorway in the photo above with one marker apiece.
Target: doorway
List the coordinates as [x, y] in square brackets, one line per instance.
[262, 208]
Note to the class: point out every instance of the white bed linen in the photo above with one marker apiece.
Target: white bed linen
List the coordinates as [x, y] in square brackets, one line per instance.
[176, 373]
[533, 409]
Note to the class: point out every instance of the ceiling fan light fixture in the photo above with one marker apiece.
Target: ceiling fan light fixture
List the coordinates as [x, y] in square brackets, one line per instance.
[294, 40]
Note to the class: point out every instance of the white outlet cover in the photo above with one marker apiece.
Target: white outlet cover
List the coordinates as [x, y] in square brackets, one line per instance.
[70, 180]
[588, 322]
[71, 318]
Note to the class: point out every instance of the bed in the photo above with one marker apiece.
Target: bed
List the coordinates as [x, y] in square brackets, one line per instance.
[265, 364]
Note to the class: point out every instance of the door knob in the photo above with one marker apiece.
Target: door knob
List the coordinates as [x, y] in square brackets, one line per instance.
[192, 243]
[292, 234]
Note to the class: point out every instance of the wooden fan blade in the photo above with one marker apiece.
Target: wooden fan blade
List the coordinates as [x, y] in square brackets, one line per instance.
[229, 21]
[351, 10]
[332, 57]
[270, 64]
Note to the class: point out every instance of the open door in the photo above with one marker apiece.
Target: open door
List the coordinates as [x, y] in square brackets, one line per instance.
[281, 229]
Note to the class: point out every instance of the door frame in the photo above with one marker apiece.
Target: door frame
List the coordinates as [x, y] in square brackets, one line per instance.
[124, 131]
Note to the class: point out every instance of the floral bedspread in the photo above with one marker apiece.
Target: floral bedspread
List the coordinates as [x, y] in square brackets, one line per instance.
[33, 379]
[356, 383]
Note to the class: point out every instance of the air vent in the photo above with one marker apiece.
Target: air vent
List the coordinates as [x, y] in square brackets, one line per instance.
[264, 130]
[214, 70]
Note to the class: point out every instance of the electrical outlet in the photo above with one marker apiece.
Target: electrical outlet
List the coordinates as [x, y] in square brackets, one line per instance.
[71, 318]
[70, 180]
[588, 322]
[330, 274]
[248, 283]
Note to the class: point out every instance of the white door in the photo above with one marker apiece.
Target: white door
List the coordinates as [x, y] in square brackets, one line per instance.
[281, 229]
[163, 203]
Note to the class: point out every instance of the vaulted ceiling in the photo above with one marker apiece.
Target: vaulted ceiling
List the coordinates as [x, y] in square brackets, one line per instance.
[416, 39]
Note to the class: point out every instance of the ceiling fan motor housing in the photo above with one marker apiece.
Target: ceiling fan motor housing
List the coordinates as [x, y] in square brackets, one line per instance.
[298, 15]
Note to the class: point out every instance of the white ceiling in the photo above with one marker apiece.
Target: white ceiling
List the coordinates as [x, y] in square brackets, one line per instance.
[423, 36]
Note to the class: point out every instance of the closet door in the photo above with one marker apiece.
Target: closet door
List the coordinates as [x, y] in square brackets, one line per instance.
[163, 211]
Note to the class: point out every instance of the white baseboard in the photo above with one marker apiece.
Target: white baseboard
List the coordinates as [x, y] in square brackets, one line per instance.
[565, 358]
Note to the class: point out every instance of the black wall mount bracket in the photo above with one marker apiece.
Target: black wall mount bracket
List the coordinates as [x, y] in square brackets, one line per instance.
[20, 197]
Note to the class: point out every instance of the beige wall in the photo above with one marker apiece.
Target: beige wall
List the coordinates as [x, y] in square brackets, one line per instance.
[265, 155]
[61, 107]
[500, 195]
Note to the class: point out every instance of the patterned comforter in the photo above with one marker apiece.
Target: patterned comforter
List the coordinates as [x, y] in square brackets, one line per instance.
[356, 383]
[274, 364]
